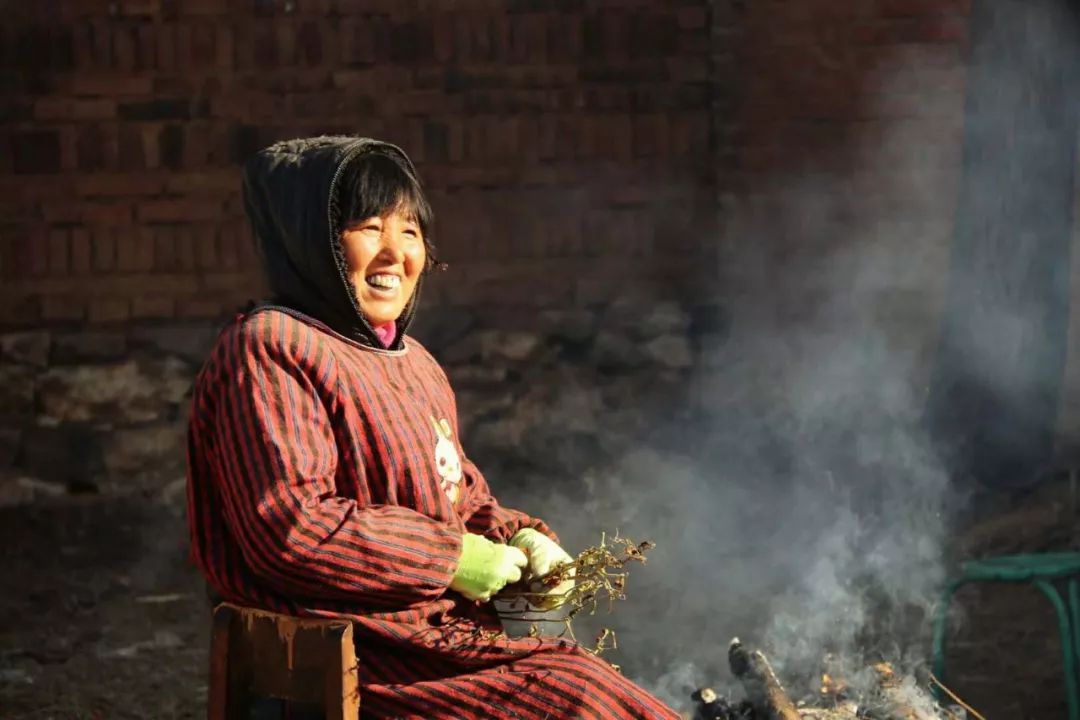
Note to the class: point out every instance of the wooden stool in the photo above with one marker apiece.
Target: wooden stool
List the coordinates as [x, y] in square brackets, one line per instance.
[260, 654]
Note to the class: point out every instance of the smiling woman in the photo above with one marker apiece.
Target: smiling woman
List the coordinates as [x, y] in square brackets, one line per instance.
[326, 474]
[384, 237]
[385, 256]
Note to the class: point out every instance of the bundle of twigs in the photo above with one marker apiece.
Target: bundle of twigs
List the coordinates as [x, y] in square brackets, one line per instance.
[599, 573]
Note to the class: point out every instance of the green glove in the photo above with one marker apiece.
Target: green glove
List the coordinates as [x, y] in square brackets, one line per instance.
[544, 556]
[486, 567]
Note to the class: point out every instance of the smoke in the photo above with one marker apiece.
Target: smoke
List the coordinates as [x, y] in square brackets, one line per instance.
[797, 503]
[800, 500]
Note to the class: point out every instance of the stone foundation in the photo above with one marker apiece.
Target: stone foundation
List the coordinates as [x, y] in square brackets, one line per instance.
[555, 393]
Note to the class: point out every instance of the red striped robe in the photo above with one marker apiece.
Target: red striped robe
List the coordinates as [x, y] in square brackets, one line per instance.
[313, 490]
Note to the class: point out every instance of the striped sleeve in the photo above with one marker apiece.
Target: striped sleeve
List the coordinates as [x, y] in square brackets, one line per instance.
[276, 460]
[484, 515]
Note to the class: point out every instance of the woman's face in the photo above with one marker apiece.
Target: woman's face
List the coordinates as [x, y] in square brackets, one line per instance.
[385, 256]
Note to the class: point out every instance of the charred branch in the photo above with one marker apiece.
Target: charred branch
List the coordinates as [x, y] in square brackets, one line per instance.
[759, 680]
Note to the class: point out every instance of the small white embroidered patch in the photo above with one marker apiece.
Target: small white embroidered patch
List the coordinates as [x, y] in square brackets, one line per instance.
[447, 461]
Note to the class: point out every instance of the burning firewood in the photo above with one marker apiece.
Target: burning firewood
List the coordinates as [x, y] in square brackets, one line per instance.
[892, 697]
[711, 706]
[762, 686]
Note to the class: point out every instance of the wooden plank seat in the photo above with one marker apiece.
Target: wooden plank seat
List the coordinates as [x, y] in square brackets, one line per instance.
[260, 654]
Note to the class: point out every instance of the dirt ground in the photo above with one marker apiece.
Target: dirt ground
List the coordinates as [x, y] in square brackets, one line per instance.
[102, 618]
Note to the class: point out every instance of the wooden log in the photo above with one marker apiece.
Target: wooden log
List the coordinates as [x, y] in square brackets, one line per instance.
[762, 686]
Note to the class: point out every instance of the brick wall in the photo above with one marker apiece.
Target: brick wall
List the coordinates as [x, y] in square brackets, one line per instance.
[548, 134]
[840, 161]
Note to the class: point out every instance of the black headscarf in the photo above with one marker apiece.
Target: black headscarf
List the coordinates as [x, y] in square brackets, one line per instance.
[292, 193]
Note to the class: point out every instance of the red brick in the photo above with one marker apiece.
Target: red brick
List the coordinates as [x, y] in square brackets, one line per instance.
[183, 48]
[210, 182]
[199, 308]
[63, 307]
[119, 184]
[146, 46]
[234, 206]
[690, 135]
[185, 249]
[123, 48]
[111, 215]
[228, 246]
[196, 146]
[110, 85]
[101, 45]
[166, 47]
[82, 45]
[443, 38]
[93, 109]
[150, 137]
[650, 135]
[691, 18]
[107, 310]
[135, 249]
[179, 211]
[59, 260]
[244, 46]
[146, 307]
[284, 40]
[32, 254]
[164, 249]
[81, 251]
[203, 7]
[20, 310]
[52, 108]
[909, 8]
[206, 257]
[225, 50]
[138, 8]
[929, 29]
[103, 242]
[203, 50]
[225, 282]
[127, 254]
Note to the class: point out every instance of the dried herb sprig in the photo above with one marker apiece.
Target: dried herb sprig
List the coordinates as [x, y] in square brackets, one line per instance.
[599, 574]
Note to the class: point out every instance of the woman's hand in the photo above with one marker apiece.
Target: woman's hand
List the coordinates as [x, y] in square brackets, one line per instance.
[486, 567]
[544, 556]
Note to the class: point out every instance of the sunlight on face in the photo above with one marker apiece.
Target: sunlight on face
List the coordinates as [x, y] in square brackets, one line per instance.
[385, 256]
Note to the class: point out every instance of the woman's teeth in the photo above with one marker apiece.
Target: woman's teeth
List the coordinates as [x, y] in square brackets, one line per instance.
[384, 282]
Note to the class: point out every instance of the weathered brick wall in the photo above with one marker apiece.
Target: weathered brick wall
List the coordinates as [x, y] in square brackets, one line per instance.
[841, 162]
[576, 152]
[548, 134]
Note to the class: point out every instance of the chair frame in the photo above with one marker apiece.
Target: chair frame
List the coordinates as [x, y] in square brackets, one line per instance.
[256, 653]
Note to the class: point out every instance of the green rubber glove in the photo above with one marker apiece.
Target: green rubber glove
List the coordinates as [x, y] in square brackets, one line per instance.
[544, 556]
[486, 567]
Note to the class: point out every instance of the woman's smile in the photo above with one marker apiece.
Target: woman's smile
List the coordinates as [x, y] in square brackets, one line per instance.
[386, 256]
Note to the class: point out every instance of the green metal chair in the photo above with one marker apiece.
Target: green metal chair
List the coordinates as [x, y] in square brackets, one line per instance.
[1041, 571]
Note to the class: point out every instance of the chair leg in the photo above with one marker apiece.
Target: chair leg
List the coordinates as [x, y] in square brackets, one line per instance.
[941, 627]
[217, 704]
[1074, 609]
[227, 699]
[343, 681]
[1067, 646]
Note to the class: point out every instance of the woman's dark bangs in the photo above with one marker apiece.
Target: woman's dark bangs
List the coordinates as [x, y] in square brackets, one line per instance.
[381, 184]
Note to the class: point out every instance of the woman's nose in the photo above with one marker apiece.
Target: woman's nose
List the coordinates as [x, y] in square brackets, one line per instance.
[392, 246]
